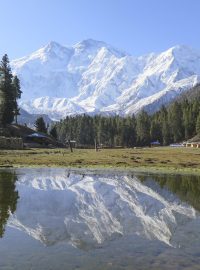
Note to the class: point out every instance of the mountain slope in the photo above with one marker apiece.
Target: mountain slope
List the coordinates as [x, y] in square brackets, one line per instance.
[29, 119]
[190, 94]
[93, 77]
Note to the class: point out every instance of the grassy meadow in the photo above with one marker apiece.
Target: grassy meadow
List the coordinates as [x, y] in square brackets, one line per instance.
[166, 159]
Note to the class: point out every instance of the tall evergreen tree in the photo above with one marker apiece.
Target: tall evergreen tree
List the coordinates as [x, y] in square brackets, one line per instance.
[198, 124]
[166, 136]
[188, 123]
[17, 95]
[128, 132]
[53, 132]
[155, 131]
[143, 128]
[7, 93]
[2, 100]
[176, 122]
[40, 125]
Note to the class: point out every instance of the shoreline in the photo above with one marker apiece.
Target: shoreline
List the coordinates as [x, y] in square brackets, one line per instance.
[111, 170]
[163, 160]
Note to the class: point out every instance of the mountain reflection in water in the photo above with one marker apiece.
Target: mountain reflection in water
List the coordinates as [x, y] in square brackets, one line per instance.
[87, 210]
[63, 219]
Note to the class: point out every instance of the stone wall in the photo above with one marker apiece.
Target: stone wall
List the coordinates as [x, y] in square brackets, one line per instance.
[11, 143]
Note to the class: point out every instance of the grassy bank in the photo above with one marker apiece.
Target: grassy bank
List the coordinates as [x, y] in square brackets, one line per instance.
[146, 159]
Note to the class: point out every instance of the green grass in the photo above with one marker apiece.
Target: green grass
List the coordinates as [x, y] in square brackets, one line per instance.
[150, 159]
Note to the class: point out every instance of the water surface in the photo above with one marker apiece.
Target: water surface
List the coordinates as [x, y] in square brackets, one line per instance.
[61, 219]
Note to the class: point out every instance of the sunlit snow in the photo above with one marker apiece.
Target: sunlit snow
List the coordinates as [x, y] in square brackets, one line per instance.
[94, 77]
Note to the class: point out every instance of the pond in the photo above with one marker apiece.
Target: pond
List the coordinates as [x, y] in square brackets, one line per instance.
[65, 219]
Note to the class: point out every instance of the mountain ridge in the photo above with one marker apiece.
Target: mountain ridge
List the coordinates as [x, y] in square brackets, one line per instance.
[93, 77]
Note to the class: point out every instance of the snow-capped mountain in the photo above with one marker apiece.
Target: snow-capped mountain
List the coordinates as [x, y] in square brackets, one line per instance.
[94, 77]
[86, 210]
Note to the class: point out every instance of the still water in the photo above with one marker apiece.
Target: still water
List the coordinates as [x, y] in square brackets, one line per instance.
[62, 219]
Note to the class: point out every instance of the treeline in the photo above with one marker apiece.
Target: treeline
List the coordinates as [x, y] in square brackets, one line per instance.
[178, 122]
[186, 187]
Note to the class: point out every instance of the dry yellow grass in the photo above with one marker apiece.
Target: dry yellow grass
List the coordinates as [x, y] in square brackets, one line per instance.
[161, 158]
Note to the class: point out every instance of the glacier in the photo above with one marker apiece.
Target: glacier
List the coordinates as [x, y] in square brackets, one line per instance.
[95, 78]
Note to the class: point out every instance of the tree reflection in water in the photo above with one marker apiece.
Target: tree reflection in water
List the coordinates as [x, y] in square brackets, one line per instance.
[8, 197]
[186, 187]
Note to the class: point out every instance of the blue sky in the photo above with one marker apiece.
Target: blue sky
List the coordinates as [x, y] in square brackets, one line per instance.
[135, 26]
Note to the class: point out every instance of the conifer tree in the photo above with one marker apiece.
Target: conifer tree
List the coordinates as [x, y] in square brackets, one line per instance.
[40, 125]
[198, 124]
[155, 131]
[2, 101]
[176, 122]
[143, 129]
[7, 93]
[189, 124]
[166, 136]
[17, 95]
[53, 132]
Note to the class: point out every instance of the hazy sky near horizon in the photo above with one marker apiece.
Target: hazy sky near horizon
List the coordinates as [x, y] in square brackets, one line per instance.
[135, 26]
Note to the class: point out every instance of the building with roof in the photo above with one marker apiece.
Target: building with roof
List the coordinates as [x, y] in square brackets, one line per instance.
[37, 140]
[194, 142]
[155, 144]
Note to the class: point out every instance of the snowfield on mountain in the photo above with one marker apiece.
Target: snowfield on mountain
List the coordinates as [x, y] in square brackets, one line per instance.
[95, 78]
